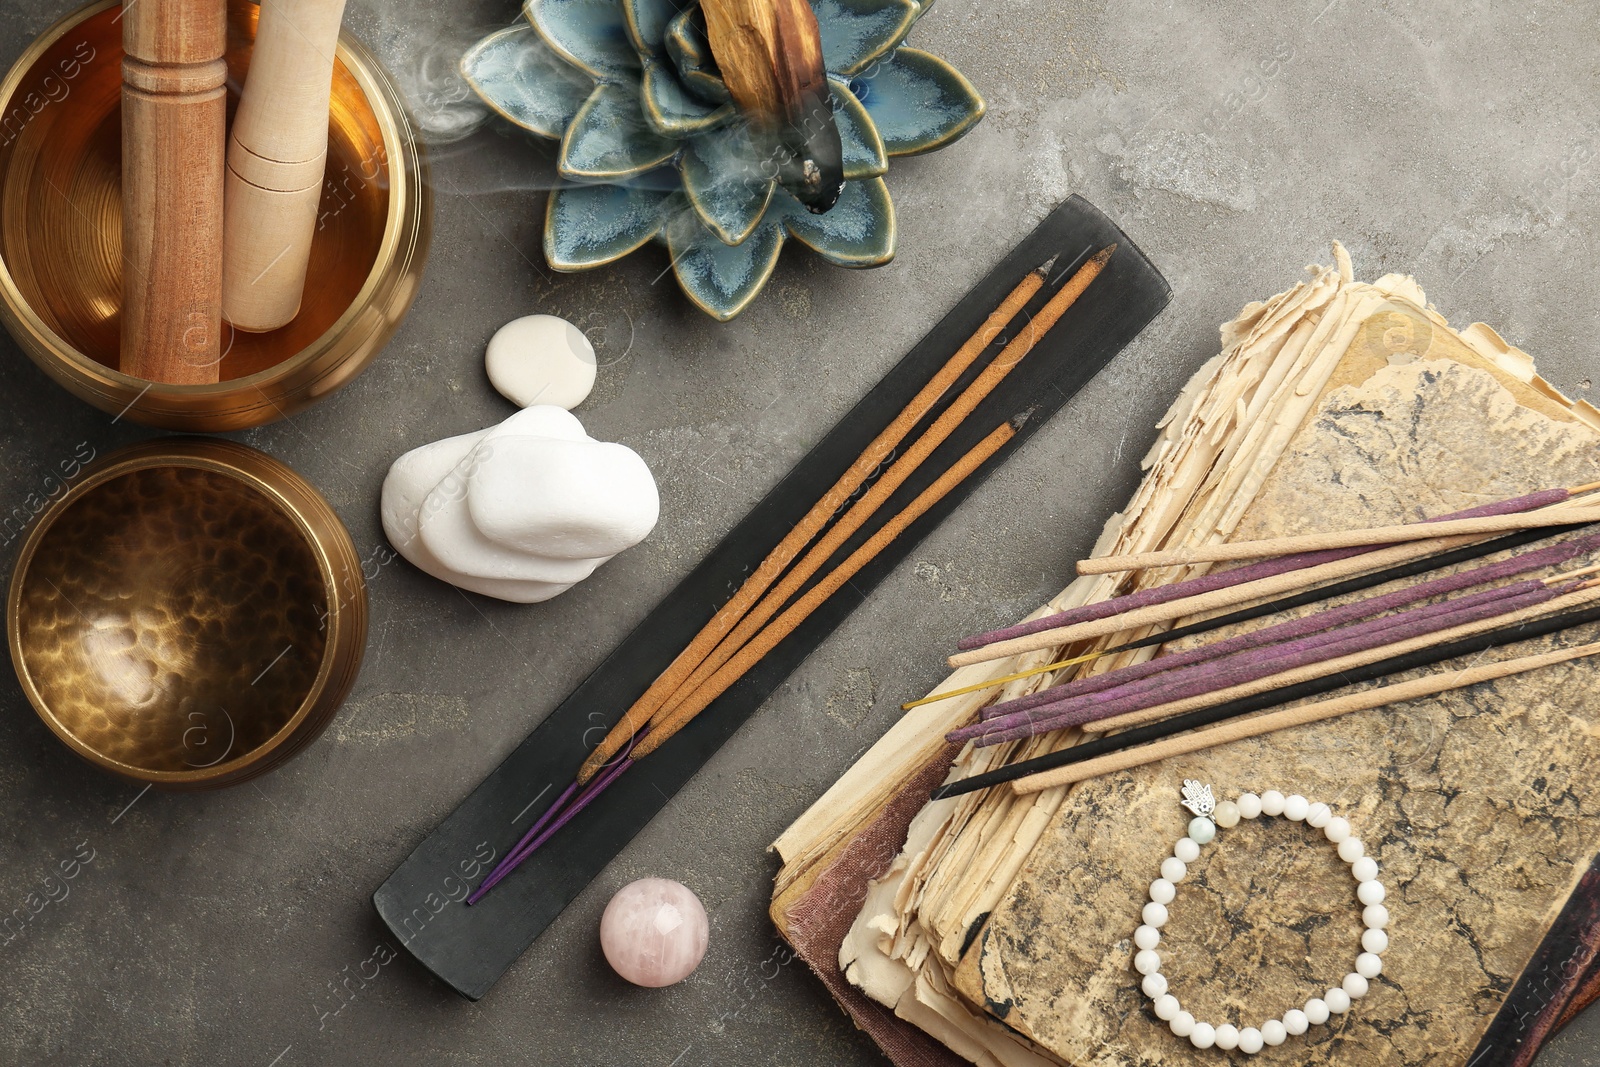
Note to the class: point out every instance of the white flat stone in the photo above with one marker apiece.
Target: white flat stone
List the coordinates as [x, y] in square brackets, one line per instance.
[558, 503]
[566, 499]
[540, 359]
[448, 532]
[412, 477]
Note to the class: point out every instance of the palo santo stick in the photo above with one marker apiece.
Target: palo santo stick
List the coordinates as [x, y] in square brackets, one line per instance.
[174, 110]
[895, 476]
[1377, 535]
[801, 609]
[1562, 603]
[1184, 744]
[1208, 602]
[812, 523]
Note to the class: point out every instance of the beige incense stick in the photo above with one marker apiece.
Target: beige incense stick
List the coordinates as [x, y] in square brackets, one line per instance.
[806, 530]
[1342, 663]
[1259, 589]
[1378, 535]
[895, 476]
[174, 110]
[276, 158]
[801, 609]
[1183, 744]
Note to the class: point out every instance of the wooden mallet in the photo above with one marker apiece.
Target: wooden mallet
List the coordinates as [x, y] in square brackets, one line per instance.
[174, 114]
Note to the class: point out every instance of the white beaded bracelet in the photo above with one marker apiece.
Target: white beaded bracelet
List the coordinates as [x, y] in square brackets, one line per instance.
[1208, 816]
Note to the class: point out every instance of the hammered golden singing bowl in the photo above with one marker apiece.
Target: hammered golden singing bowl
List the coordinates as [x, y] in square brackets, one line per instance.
[190, 613]
[61, 232]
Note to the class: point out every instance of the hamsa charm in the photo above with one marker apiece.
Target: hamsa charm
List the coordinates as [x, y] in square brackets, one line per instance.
[1198, 799]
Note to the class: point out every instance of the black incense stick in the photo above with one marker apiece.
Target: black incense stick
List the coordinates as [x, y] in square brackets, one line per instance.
[1314, 595]
[1423, 657]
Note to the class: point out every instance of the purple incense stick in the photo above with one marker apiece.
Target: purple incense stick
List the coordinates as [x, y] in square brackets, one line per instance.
[569, 803]
[1308, 624]
[515, 858]
[1250, 572]
[1261, 663]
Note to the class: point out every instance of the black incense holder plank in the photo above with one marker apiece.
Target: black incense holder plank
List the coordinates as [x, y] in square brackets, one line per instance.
[470, 948]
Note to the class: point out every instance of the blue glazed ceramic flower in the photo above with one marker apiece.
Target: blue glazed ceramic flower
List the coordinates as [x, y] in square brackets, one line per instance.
[652, 148]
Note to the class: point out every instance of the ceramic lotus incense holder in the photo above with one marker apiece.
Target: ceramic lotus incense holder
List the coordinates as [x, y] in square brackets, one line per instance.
[703, 127]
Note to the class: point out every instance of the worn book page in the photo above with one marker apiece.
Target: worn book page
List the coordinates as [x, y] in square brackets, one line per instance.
[1478, 804]
[1217, 450]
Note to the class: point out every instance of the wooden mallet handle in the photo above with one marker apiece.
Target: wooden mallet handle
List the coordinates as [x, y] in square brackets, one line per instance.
[174, 115]
[276, 157]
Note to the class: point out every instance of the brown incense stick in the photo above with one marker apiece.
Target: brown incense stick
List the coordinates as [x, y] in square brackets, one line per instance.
[895, 476]
[1378, 535]
[1297, 675]
[806, 530]
[1183, 744]
[801, 609]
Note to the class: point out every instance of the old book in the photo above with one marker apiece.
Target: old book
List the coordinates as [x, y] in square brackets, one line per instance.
[1001, 926]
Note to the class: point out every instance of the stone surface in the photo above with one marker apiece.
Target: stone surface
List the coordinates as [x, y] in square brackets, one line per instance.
[1232, 142]
[540, 359]
[1473, 803]
[654, 932]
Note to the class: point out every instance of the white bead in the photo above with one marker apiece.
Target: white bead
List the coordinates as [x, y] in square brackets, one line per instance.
[1227, 1037]
[1319, 815]
[1337, 1000]
[1162, 891]
[1351, 849]
[1187, 849]
[1364, 869]
[1173, 869]
[1369, 964]
[1250, 1040]
[1249, 805]
[1147, 961]
[1371, 892]
[1273, 1032]
[1155, 915]
[1182, 1024]
[1316, 1011]
[1154, 985]
[1295, 809]
[1147, 937]
[1375, 916]
[1355, 986]
[1202, 831]
[1338, 829]
[1204, 1035]
[1375, 941]
[1167, 1007]
[1272, 802]
[1226, 815]
[1295, 1022]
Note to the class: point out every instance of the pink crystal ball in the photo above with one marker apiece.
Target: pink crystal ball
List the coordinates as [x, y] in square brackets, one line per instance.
[654, 932]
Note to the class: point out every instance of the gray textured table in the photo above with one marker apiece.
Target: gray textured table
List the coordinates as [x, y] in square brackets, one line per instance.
[1453, 141]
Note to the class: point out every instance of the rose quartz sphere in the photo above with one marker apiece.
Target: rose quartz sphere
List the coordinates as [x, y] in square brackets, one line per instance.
[654, 932]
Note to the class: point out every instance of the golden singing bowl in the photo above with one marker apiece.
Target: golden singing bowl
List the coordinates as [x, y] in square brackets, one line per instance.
[190, 613]
[61, 232]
